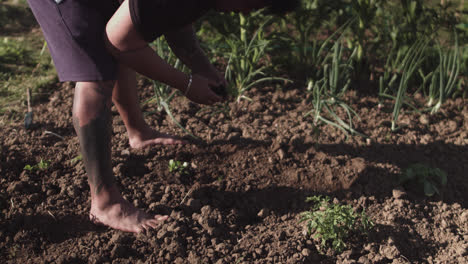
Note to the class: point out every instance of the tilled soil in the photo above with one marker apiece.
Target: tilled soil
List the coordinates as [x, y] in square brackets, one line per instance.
[249, 177]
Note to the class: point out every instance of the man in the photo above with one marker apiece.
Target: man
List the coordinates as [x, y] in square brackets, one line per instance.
[100, 45]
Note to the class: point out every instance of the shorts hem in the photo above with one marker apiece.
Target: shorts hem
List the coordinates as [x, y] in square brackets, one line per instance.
[85, 78]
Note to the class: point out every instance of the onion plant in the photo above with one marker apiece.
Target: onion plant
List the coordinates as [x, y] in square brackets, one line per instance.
[407, 63]
[445, 77]
[329, 87]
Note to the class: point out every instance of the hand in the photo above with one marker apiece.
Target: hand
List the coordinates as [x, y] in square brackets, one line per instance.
[200, 91]
[213, 74]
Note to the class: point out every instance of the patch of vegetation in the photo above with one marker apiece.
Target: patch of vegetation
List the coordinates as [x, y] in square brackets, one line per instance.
[176, 166]
[41, 165]
[424, 178]
[15, 17]
[333, 223]
[246, 58]
[24, 61]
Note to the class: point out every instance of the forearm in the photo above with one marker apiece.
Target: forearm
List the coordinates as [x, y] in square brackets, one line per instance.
[145, 61]
[184, 43]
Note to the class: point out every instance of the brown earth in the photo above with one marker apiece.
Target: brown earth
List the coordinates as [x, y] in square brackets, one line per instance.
[248, 181]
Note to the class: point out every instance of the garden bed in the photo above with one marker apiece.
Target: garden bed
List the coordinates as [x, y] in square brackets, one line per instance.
[248, 181]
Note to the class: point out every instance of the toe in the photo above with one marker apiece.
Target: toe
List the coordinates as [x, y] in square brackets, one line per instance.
[152, 224]
[161, 218]
[168, 141]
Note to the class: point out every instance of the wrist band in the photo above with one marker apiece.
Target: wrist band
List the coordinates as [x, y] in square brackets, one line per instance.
[189, 85]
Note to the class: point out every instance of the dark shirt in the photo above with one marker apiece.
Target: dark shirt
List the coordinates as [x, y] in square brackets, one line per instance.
[153, 18]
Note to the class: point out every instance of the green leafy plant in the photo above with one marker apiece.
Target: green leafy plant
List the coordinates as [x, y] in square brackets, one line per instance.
[299, 36]
[42, 165]
[245, 68]
[12, 51]
[421, 176]
[177, 166]
[332, 223]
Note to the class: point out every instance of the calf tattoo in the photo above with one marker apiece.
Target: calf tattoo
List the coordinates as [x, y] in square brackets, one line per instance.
[95, 139]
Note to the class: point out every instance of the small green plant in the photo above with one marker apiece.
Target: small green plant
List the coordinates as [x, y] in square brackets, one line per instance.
[12, 51]
[245, 68]
[332, 223]
[76, 159]
[42, 165]
[430, 179]
[177, 166]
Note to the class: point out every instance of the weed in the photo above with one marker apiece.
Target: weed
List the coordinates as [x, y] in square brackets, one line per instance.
[22, 66]
[76, 159]
[42, 165]
[12, 51]
[176, 166]
[421, 176]
[332, 223]
[13, 250]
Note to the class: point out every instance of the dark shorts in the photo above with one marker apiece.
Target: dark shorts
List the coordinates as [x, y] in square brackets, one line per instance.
[74, 31]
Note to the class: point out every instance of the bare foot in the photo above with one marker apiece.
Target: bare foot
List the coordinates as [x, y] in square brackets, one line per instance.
[151, 137]
[125, 217]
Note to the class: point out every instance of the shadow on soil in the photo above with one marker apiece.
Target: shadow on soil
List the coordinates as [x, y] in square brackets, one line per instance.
[379, 181]
[49, 228]
[410, 245]
[286, 203]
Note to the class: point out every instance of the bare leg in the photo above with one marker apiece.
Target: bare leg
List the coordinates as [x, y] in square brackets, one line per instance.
[125, 98]
[92, 121]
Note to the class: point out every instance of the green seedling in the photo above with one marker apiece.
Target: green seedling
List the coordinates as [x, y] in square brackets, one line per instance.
[76, 159]
[42, 165]
[332, 223]
[430, 179]
[176, 166]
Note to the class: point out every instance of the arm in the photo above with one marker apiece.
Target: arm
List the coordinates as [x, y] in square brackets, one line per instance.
[129, 48]
[184, 43]
[125, 43]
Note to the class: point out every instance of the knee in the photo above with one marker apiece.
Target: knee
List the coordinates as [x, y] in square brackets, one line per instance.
[92, 97]
[120, 35]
